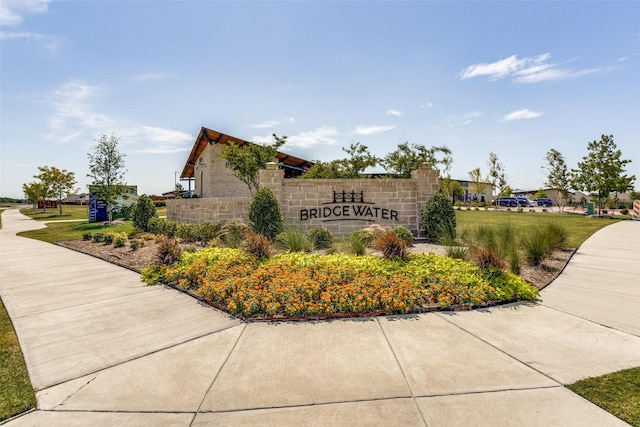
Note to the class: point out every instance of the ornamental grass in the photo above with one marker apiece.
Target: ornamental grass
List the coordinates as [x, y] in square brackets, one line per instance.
[313, 285]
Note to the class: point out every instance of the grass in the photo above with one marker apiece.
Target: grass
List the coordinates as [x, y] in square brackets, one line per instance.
[16, 393]
[617, 393]
[61, 231]
[69, 212]
[579, 227]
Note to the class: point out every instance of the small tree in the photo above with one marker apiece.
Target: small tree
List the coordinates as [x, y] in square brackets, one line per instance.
[477, 183]
[106, 168]
[247, 160]
[497, 176]
[33, 192]
[264, 213]
[602, 170]
[143, 211]
[540, 194]
[558, 178]
[59, 183]
[439, 219]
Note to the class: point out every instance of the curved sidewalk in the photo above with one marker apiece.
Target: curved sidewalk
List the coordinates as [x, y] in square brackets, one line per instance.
[104, 349]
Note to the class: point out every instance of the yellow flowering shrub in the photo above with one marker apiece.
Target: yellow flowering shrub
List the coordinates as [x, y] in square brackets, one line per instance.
[298, 284]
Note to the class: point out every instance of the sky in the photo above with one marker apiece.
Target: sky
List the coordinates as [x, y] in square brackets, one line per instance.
[515, 78]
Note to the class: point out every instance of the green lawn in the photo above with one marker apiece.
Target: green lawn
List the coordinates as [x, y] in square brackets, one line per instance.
[579, 227]
[617, 393]
[61, 231]
[68, 212]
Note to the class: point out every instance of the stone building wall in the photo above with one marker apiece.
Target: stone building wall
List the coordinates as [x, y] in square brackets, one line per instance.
[214, 179]
[340, 205]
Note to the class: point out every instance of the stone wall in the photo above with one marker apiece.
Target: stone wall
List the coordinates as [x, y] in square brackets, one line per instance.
[216, 209]
[340, 205]
[214, 179]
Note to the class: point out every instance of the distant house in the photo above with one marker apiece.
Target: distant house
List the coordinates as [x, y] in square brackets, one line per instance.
[76, 199]
[470, 195]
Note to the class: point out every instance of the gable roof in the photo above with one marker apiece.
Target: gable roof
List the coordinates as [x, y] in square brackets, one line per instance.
[209, 136]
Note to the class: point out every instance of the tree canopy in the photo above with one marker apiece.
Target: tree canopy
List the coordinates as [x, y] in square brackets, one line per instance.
[350, 167]
[408, 157]
[558, 177]
[602, 170]
[107, 170]
[56, 183]
[247, 160]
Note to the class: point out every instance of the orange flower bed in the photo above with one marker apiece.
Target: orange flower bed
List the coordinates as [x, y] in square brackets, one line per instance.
[294, 285]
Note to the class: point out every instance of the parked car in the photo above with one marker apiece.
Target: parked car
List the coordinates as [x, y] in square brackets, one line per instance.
[544, 202]
[509, 202]
[525, 202]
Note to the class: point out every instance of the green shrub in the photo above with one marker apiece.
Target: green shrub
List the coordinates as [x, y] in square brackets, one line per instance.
[134, 232]
[142, 212]
[159, 203]
[294, 241]
[233, 233]
[264, 213]
[359, 240]
[187, 232]
[119, 240]
[320, 237]
[98, 237]
[207, 231]
[108, 238]
[543, 240]
[163, 227]
[257, 245]
[87, 236]
[438, 218]
[136, 244]
[404, 234]
[391, 246]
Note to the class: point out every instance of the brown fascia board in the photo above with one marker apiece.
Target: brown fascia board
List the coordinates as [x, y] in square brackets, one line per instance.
[203, 139]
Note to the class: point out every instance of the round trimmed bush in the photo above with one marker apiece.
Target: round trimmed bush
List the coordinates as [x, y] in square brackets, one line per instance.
[403, 234]
[320, 237]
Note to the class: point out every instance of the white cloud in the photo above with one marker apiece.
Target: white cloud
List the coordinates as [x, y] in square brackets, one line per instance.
[76, 117]
[265, 125]
[525, 70]
[395, 113]
[49, 42]
[162, 140]
[464, 119]
[521, 114]
[427, 105]
[12, 11]
[372, 130]
[325, 135]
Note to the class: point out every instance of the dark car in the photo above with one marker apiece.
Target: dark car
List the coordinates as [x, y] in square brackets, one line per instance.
[509, 202]
[544, 202]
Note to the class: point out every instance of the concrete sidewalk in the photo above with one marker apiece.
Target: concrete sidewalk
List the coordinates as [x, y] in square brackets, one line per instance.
[104, 349]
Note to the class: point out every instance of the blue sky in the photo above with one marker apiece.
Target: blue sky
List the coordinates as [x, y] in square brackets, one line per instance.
[514, 78]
